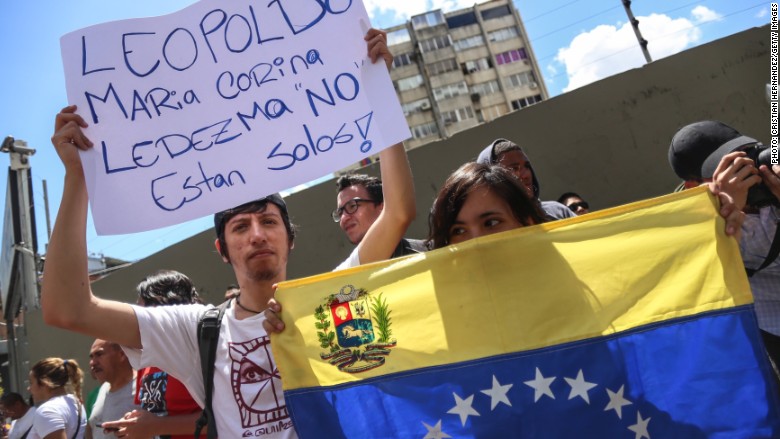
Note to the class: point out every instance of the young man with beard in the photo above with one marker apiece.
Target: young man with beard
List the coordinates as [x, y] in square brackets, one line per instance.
[254, 238]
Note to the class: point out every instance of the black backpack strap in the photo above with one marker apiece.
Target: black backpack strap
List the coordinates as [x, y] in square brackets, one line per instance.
[208, 338]
[24, 436]
[774, 251]
[409, 247]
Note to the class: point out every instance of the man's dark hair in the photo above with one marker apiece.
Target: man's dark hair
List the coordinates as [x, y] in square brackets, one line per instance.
[373, 185]
[257, 206]
[567, 195]
[11, 398]
[167, 287]
[465, 180]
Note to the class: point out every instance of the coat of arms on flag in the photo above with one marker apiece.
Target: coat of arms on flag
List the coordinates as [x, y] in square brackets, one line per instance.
[360, 337]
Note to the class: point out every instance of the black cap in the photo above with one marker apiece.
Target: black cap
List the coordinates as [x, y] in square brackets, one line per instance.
[696, 149]
[219, 217]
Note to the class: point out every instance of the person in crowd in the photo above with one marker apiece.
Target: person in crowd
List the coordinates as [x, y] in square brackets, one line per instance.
[711, 152]
[232, 291]
[13, 405]
[574, 202]
[479, 199]
[509, 155]
[116, 396]
[168, 410]
[254, 238]
[366, 210]
[55, 385]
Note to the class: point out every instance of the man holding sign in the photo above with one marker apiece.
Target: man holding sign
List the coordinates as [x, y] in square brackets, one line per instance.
[255, 238]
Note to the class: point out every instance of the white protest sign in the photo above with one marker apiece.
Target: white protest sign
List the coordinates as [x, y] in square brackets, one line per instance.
[224, 102]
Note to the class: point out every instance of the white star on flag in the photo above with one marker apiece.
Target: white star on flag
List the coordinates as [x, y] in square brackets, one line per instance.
[579, 387]
[541, 385]
[435, 431]
[616, 402]
[498, 393]
[463, 408]
[640, 428]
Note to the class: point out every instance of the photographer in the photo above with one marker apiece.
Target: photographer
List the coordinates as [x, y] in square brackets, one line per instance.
[741, 166]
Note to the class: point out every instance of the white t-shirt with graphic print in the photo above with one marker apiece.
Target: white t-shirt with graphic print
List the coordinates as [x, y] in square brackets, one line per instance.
[252, 404]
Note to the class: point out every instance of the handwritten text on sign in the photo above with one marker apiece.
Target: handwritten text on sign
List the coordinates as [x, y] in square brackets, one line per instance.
[224, 102]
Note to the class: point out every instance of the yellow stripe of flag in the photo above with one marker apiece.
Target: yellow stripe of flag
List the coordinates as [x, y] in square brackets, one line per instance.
[535, 287]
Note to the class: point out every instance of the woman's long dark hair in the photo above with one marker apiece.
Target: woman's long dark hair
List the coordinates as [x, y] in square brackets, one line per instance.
[465, 180]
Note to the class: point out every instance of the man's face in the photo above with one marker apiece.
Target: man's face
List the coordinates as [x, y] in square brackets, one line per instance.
[258, 245]
[356, 224]
[577, 205]
[520, 167]
[106, 361]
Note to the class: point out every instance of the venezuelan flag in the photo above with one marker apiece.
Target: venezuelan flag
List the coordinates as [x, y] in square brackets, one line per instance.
[633, 322]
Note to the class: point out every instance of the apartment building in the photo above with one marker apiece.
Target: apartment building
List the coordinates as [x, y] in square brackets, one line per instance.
[455, 70]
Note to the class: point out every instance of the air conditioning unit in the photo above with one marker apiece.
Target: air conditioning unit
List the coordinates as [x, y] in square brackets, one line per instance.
[425, 106]
[526, 62]
[533, 85]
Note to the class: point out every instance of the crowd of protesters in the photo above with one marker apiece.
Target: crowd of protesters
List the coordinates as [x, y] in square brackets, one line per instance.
[150, 343]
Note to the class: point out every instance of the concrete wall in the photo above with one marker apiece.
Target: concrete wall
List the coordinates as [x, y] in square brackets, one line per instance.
[608, 141]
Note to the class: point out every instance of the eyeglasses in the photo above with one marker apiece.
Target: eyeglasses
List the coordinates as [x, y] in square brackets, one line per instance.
[350, 207]
[575, 206]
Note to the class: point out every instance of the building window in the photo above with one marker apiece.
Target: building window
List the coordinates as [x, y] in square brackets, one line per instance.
[398, 36]
[468, 43]
[503, 34]
[485, 88]
[416, 106]
[476, 65]
[450, 117]
[451, 90]
[443, 66]
[429, 19]
[461, 20]
[497, 12]
[409, 83]
[511, 56]
[491, 113]
[524, 102]
[403, 59]
[519, 79]
[435, 43]
[425, 130]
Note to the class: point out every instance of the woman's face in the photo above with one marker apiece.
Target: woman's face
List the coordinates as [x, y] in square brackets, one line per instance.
[36, 389]
[483, 213]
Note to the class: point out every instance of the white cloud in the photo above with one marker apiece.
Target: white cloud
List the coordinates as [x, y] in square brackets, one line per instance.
[703, 14]
[607, 50]
[762, 13]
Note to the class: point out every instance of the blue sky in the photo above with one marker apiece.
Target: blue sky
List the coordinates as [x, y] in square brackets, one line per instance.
[575, 41]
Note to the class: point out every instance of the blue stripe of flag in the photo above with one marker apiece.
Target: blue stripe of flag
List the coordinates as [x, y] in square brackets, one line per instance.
[701, 377]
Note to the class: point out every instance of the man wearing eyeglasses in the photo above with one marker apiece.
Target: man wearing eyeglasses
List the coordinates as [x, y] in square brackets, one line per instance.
[375, 216]
[575, 203]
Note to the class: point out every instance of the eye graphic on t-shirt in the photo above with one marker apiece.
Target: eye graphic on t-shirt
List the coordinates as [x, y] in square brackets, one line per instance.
[250, 372]
[257, 387]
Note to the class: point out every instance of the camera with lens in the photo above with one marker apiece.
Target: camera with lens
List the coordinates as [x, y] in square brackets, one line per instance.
[760, 195]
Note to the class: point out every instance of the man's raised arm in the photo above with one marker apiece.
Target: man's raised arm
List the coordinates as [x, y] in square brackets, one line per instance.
[397, 186]
[66, 297]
